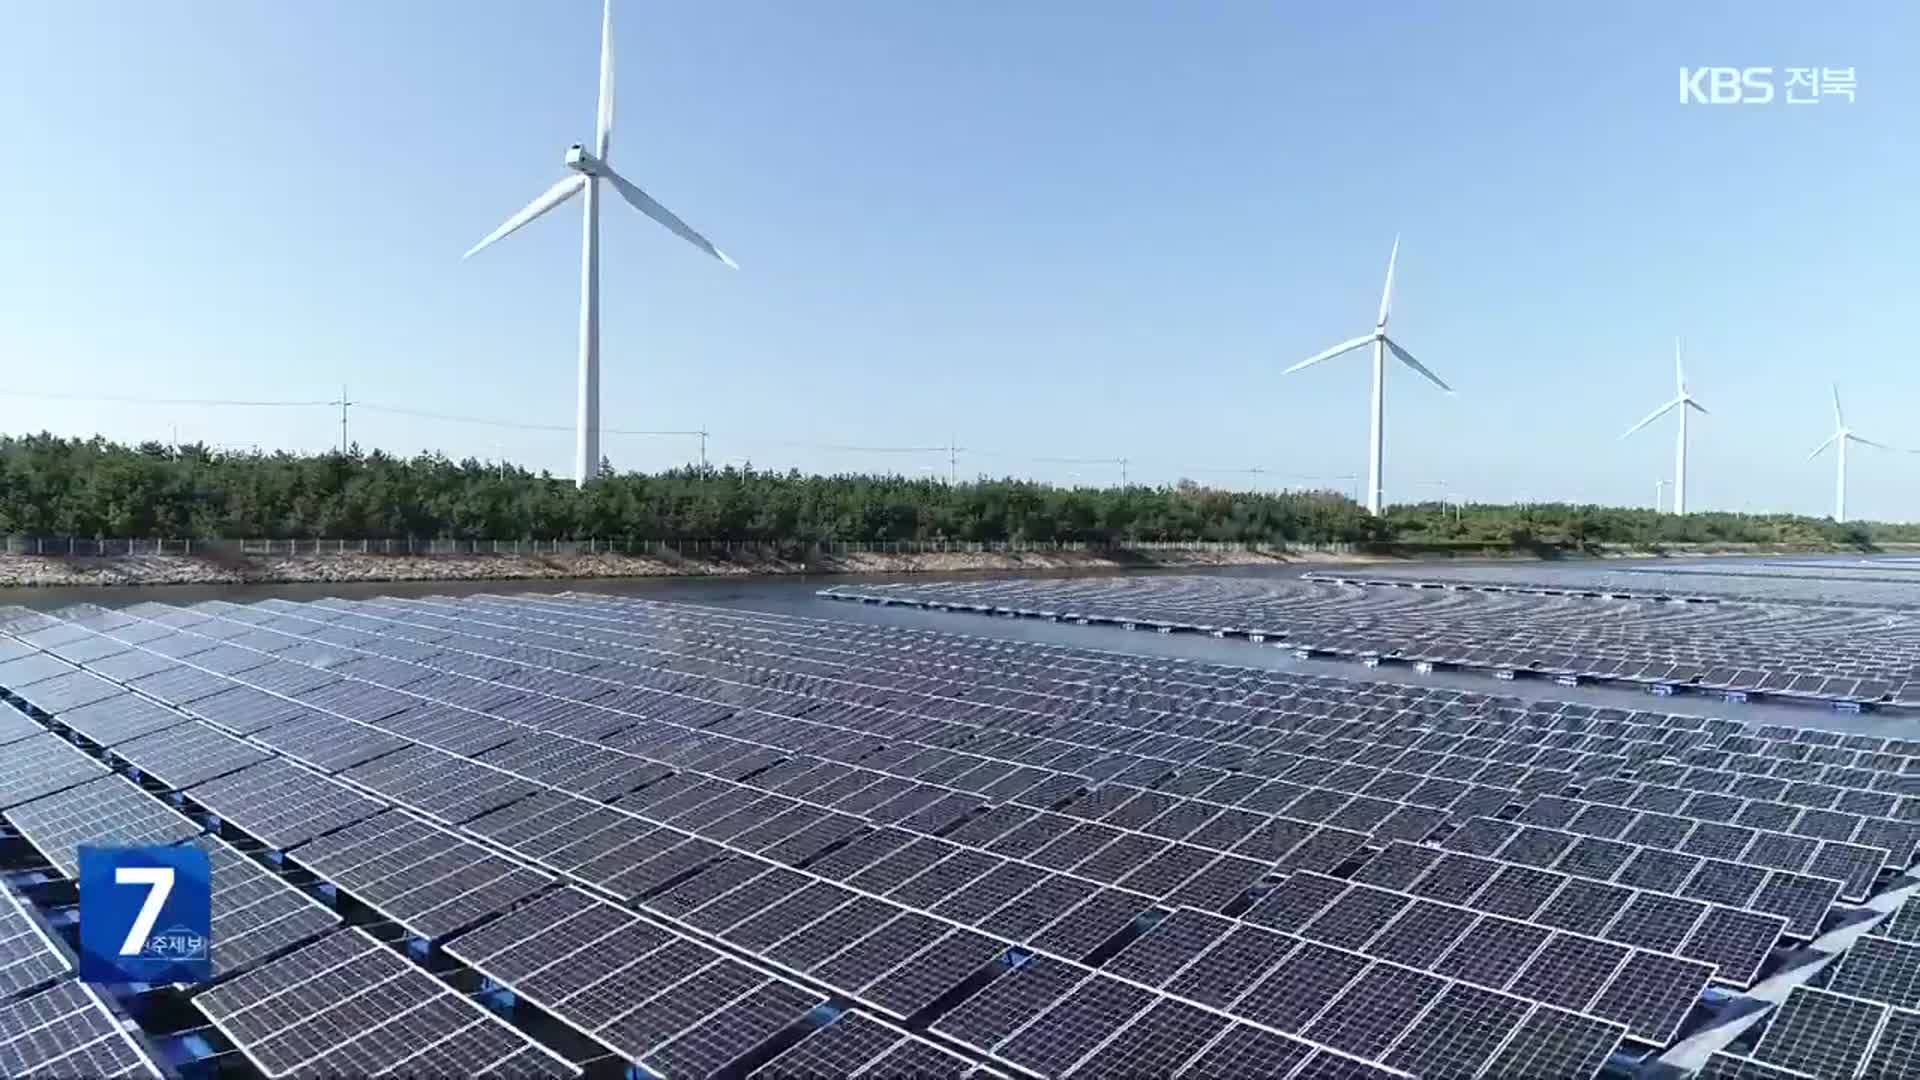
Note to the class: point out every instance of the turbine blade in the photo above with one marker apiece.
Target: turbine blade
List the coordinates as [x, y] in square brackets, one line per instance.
[1407, 359]
[1831, 439]
[1697, 407]
[1679, 370]
[603, 137]
[1386, 294]
[1345, 346]
[542, 203]
[1654, 415]
[1869, 442]
[1839, 419]
[645, 203]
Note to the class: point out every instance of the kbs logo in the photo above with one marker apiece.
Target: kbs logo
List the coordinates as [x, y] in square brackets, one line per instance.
[1726, 86]
[1756, 85]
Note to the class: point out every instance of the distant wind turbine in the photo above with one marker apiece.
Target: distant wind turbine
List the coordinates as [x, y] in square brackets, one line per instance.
[587, 170]
[1842, 435]
[1682, 401]
[1376, 446]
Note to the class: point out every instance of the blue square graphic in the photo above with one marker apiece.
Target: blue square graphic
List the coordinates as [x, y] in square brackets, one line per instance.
[146, 914]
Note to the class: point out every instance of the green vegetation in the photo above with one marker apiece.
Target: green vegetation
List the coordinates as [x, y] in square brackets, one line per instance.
[70, 487]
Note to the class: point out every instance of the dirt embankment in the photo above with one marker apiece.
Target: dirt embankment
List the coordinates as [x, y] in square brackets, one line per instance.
[64, 571]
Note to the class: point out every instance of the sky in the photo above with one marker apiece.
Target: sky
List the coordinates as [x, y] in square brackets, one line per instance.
[1078, 229]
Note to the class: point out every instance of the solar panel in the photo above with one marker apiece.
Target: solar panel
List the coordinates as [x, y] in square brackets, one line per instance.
[920, 980]
[1008, 1002]
[722, 1036]
[41, 765]
[1897, 1050]
[1236, 962]
[1803, 900]
[1305, 983]
[282, 804]
[1657, 922]
[1375, 1010]
[1880, 969]
[1084, 928]
[1244, 1050]
[1355, 917]
[1729, 1066]
[918, 1058]
[107, 810]
[1570, 971]
[1073, 1026]
[1295, 901]
[1651, 995]
[1737, 943]
[190, 754]
[1819, 1032]
[869, 956]
[1172, 943]
[1422, 934]
[328, 743]
[841, 1048]
[117, 719]
[1397, 865]
[66, 1030]
[1155, 1042]
[1554, 1042]
[1459, 1034]
[28, 957]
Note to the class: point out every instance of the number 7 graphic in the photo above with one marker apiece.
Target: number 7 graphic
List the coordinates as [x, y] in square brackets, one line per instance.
[159, 882]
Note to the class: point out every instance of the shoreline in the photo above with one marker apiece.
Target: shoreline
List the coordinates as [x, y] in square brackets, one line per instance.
[29, 572]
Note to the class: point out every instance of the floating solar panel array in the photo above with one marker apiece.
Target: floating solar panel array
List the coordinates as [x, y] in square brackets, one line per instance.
[1879, 582]
[1838, 654]
[717, 840]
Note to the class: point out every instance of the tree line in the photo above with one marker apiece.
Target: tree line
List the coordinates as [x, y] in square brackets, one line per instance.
[52, 486]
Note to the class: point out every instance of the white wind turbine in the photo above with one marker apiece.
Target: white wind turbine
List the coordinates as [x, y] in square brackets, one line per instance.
[1682, 401]
[587, 170]
[1381, 344]
[1842, 435]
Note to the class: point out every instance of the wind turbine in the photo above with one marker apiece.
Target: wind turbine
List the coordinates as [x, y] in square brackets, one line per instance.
[586, 170]
[1381, 345]
[1842, 435]
[1682, 401]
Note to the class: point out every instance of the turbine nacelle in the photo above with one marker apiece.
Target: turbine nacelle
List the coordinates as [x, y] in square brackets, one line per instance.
[582, 162]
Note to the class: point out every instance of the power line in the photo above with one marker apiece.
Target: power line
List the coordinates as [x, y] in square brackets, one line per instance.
[952, 449]
[129, 400]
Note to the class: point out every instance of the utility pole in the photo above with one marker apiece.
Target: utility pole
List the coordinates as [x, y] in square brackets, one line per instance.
[703, 450]
[1123, 474]
[953, 460]
[1659, 493]
[343, 403]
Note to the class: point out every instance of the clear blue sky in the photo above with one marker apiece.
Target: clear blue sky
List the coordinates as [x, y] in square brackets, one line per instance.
[1075, 228]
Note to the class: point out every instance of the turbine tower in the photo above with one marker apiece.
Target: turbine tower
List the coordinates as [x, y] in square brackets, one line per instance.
[1376, 445]
[1682, 401]
[1842, 435]
[586, 170]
